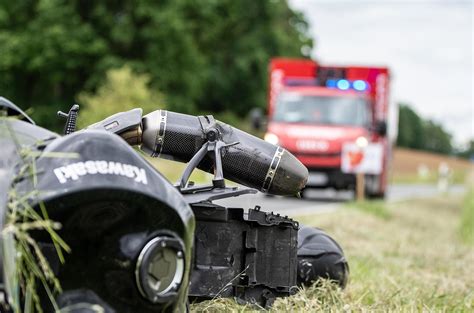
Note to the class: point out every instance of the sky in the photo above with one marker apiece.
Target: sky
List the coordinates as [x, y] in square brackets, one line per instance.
[428, 45]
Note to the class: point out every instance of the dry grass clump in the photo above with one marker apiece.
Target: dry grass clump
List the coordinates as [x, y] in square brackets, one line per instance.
[27, 270]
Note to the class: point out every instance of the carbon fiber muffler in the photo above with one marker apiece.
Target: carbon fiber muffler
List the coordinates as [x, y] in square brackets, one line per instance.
[249, 161]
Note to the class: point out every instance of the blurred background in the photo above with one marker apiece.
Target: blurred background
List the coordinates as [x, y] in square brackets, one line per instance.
[212, 57]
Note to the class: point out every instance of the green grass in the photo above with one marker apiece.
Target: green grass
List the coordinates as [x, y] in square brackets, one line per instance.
[457, 177]
[413, 261]
[376, 208]
[467, 218]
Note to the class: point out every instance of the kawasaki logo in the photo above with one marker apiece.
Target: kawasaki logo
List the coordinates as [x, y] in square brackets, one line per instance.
[75, 170]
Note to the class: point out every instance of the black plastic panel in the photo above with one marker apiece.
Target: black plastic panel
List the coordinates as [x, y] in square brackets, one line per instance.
[249, 256]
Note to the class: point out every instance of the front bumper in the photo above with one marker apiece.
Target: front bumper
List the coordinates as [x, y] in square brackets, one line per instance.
[330, 178]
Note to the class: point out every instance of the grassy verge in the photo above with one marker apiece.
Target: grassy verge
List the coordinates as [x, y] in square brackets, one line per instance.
[456, 177]
[376, 208]
[467, 218]
[408, 258]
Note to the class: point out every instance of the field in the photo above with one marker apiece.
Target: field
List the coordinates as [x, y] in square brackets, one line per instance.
[404, 257]
[411, 166]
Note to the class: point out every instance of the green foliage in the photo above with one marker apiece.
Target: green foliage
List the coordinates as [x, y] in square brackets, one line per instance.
[417, 133]
[122, 90]
[238, 38]
[435, 138]
[410, 128]
[468, 151]
[206, 55]
[44, 51]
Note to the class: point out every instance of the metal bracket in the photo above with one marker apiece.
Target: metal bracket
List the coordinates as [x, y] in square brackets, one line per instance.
[194, 195]
[211, 147]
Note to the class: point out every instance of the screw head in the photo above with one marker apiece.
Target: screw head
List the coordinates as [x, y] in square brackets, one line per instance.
[211, 135]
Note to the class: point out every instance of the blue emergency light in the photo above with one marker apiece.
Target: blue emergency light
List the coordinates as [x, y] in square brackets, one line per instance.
[331, 83]
[344, 84]
[359, 85]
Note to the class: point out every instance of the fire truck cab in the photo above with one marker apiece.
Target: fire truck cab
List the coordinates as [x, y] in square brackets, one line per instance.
[315, 110]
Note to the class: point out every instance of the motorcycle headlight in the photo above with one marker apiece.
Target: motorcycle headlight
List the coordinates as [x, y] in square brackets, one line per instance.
[160, 269]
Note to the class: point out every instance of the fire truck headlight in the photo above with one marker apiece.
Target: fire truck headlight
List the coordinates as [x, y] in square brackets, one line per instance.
[271, 138]
[362, 142]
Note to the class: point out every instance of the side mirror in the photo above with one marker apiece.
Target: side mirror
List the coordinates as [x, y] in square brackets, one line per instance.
[256, 118]
[381, 128]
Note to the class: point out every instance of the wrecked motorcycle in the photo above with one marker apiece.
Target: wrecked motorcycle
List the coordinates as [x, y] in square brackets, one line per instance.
[141, 244]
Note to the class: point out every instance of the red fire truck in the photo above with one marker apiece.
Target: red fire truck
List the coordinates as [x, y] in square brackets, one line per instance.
[316, 111]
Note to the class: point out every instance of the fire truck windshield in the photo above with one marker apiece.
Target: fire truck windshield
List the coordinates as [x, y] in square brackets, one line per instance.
[330, 110]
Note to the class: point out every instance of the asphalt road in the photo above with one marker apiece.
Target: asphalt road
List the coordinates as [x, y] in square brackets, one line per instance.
[322, 201]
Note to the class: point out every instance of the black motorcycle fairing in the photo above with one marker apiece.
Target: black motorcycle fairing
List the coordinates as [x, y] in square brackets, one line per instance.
[119, 122]
[320, 256]
[13, 110]
[24, 134]
[94, 145]
[127, 125]
[111, 202]
[16, 135]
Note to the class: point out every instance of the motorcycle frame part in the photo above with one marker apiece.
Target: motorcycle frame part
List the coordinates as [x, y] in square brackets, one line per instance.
[250, 256]
[14, 110]
[212, 147]
[71, 119]
[197, 194]
[127, 125]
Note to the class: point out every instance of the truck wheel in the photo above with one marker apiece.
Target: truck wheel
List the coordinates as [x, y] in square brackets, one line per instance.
[319, 256]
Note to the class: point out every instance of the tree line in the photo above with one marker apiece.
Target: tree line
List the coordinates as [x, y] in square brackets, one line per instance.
[201, 55]
[419, 133]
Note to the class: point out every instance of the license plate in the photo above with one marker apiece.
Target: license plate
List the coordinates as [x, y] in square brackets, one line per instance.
[317, 179]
